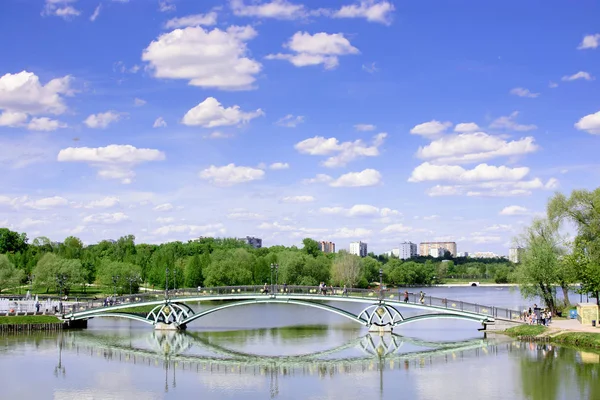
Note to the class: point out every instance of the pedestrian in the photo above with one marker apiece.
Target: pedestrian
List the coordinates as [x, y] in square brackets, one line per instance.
[345, 291]
[265, 289]
[422, 297]
[285, 288]
[37, 307]
[406, 296]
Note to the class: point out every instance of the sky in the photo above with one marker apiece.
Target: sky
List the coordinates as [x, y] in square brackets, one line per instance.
[342, 120]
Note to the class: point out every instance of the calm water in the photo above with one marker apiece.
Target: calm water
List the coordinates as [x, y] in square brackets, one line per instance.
[289, 352]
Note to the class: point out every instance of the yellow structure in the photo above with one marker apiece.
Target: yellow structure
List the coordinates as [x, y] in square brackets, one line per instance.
[586, 312]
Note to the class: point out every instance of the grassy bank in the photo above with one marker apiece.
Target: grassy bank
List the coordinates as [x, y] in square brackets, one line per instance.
[28, 319]
[580, 340]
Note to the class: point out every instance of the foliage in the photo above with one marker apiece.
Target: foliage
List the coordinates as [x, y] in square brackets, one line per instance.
[9, 275]
[53, 271]
[12, 242]
[345, 269]
[525, 330]
[28, 319]
[121, 276]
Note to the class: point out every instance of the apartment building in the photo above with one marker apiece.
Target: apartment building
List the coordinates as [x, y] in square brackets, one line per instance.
[327, 247]
[358, 249]
[424, 247]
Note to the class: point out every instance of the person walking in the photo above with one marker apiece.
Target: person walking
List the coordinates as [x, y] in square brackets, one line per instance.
[406, 296]
[422, 297]
[265, 289]
[345, 291]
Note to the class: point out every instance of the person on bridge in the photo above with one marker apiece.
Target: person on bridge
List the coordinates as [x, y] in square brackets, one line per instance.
[265, 289]
[406, 296]
[285, 288]
[345, 291]
[422, 297]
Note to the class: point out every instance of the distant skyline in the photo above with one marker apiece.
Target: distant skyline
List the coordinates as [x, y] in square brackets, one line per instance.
[372, 120]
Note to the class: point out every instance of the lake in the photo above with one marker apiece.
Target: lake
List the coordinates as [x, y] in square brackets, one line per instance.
[290, 352]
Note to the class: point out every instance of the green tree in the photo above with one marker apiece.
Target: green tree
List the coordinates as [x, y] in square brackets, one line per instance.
[51, 271]
[229, 268]
[311, 247]
[12, 242]
[193, 270]
[120, 276]
[9, 275]
[345, 269]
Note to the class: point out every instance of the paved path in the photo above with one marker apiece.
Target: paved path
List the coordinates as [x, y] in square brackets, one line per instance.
[572, 325]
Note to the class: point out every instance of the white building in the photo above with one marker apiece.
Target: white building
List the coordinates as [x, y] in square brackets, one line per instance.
[407, 250]
[437, 252]
[358, 249]
[393, 253]
[515, 254]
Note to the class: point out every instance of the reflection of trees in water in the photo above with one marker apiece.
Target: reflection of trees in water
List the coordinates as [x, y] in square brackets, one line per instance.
[551, 373]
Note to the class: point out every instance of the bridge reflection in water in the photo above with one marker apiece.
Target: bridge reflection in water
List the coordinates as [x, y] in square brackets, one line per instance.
[170, 351]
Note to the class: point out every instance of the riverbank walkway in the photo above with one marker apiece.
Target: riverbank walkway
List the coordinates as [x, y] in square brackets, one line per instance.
[572, 325]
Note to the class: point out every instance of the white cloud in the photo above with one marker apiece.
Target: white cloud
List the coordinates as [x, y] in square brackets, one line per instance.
[396, 228]
[279, 165]
[359, 210]
[102, 120]
[45, 124]
[166, 5]
[431, 129]
[12, 119]
[211, 59]
[218, 135]
[364, 127]
[590, 123]
[106, 218]
[320, 178]
[371, 10]
[290, 121]
[245, 216]
[106, 202]
[482, 172]
[163, 207]
[344, 233]
[231, 174]
[579, 75]
[497, 188]
[208, 19]
[60, 8]
[552, 85]
[479, 238]
[442, 190]
[159, 123]
[47, 203]
[23, 93]
[370, 68]
[367, 177]
[298, 199]
[191, 230]
[30, 222]
[165, 220]
[499, 228]
[474, 147]
[320, 48]
[345, 152]
[96, 13]
[522, 92]
[113, 161]
[514, 210]
[508, 122]
[139, 102]
[277, 9]
[210, 113]
[431, 217]
[589, 42]
[466, 127]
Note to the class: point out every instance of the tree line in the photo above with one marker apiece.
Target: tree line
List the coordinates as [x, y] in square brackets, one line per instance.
[123, 265]
[552, 260]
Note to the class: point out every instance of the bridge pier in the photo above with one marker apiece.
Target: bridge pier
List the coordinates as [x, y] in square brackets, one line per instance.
[381, 328]
[161, 326]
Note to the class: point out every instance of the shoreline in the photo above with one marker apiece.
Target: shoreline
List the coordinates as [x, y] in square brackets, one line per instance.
[481, 284]
[578, 340]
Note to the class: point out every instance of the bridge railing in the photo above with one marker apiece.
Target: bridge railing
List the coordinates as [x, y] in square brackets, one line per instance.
[397, 294]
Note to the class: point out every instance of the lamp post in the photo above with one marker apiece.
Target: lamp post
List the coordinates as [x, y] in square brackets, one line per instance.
[132, 279]
[61, 279]
[274, 268]
[166, 283]
[115, 279]
[380, 284]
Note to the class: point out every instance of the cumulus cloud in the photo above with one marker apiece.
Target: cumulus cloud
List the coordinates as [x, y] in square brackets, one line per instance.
[208, 19]
[466, 127]
[44, 124]
[13, 119]
[102, 120]
[276, 9]
[166, 6]
[367, 177]
[360, 210]
[522, 92]
[514, 210]
[298, 199]
[508, 122]
[341, 153]
[212, 59]
[218, 135]
[106, 218]
[474, 147]
[579, 75]
[396, 228]
[279, 165]
[245, 216]
[590, 123]
[431, 129]
[320, 48]
[320, 178]
[589, 42]
[482, 172]
[163, 207]
[159, 123]
[290, 121]
[191, 230]
[231, 174]
[60, 8]
[47, 203]
[113, 161]
[210, 113]
[107, 202]
[371, 10]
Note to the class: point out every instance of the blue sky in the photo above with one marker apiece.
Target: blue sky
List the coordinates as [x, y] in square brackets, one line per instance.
[339, 120]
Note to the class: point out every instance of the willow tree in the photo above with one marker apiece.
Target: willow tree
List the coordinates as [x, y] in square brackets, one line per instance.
[540, 268]
[582, 208]
[345, 269]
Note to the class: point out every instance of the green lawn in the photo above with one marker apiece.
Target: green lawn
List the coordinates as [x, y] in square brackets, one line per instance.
[28, 319]
[525, 330]
[578, 339]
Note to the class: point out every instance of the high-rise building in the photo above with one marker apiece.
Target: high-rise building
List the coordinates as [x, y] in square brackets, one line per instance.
[515, 254]
[425, 246]
[407, 250]
[327, 247]
[358, 249]
[437, 252]
[253, 241]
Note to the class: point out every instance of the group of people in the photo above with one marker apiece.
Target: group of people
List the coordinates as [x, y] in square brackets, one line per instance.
[537, 316]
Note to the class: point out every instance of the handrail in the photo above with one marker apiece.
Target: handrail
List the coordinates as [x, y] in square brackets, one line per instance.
[394, 295]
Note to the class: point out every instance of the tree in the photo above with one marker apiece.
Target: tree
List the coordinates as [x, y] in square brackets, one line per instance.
[229, 268]
[539, 269]
[345, 269]
[53, 271]
[12, 242]
[9, 275]
[123, 277]
[582, 208]
[311, 247]
[71, 248]
[193, 270]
